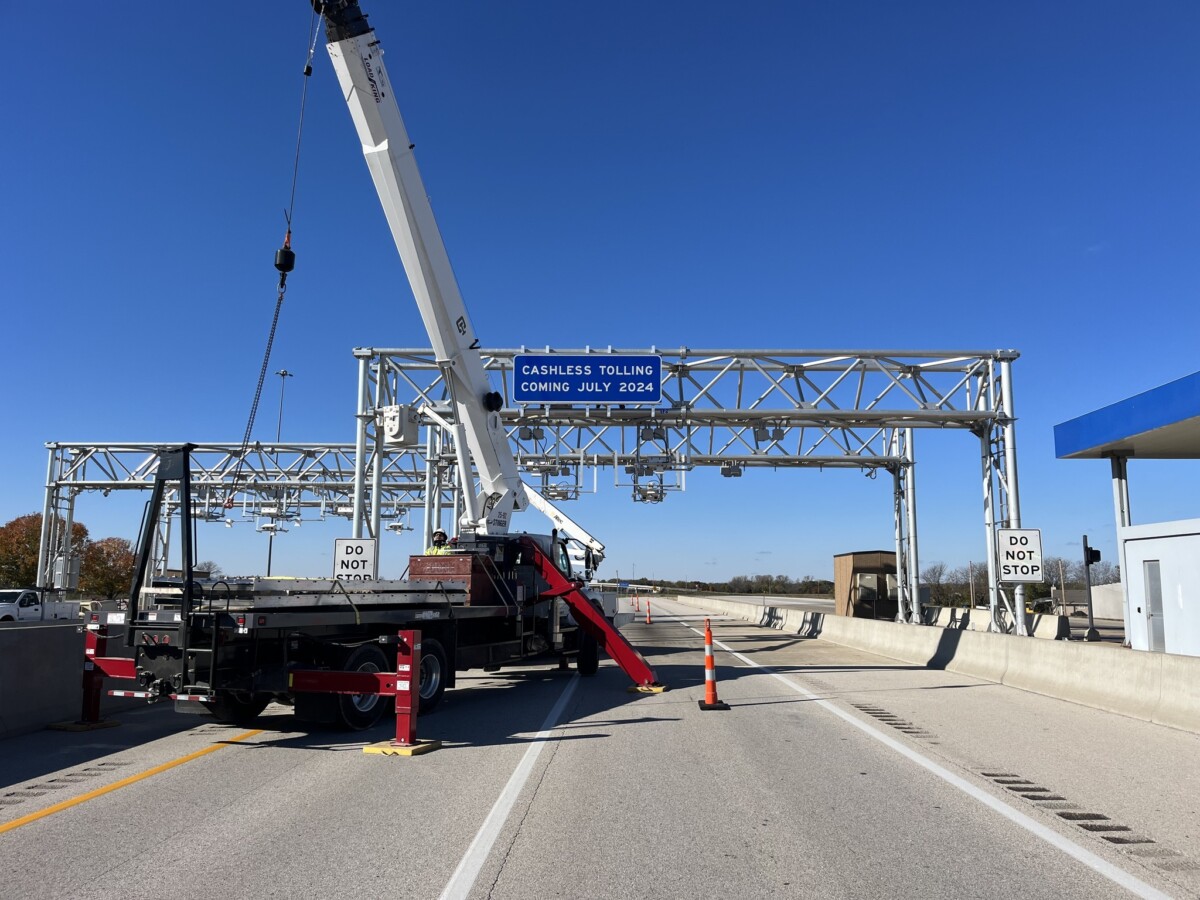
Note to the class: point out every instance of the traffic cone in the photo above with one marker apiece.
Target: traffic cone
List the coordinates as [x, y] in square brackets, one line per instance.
[710, 700]
[648, 622]
[636, 608]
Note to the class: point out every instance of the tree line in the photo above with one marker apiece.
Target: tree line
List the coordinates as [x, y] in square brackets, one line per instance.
[957, 587]
[947, 586]
[105, 568]
[755, 584]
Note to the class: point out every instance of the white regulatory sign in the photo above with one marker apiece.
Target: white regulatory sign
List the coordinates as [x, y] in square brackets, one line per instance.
[354, 559]
[1020, 555]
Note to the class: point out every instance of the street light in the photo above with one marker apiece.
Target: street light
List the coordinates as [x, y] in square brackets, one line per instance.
[284, 375]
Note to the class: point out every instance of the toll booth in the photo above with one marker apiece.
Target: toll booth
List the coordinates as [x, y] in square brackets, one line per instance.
[1160, 564]
[1160, 561]
[864, 584]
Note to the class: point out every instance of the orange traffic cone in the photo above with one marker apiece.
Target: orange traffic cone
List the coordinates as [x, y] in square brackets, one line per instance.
[648, 622]
[636, 608]
[710, 700]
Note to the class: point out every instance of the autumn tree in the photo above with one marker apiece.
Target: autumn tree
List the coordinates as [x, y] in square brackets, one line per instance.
[19, 542]
[107, 568]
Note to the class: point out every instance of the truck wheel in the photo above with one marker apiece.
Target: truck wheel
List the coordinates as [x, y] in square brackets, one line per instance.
[238, 709]
[588, 661]
[433, 675]
[362, 711]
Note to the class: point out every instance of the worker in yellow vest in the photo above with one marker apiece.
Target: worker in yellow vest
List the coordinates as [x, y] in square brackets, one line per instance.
[439, 546]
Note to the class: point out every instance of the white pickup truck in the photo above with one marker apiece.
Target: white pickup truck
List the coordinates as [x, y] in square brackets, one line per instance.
[25, 604]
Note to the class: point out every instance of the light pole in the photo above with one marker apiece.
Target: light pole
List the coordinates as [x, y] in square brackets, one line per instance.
[284, 375]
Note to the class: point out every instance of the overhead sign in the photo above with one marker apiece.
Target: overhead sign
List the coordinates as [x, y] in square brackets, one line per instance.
[354, 559]
[1020, 555]
[593, 378]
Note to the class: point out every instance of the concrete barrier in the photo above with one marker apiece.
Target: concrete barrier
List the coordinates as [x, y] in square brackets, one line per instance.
[1098, 675]
[1155, 687]
[41, 675]
[1179, 699]
[1041, 625]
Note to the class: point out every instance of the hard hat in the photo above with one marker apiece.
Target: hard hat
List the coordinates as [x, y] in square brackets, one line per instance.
[438, 531]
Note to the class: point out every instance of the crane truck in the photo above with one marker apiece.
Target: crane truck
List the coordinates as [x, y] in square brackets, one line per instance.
[230, 646]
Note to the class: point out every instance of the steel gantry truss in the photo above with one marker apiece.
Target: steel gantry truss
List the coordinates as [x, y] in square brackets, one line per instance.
[270, 485]
[734, 409]
[725, 409]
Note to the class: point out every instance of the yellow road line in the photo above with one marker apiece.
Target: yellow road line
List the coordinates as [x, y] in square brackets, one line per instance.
[124, 782]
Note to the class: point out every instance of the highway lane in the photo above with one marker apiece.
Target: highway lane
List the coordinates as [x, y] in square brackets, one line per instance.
[631, 795]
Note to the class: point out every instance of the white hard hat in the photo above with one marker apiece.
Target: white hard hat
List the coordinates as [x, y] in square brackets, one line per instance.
[438, 531]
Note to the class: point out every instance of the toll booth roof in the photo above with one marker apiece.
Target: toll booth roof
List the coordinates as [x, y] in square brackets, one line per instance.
[1163, 423]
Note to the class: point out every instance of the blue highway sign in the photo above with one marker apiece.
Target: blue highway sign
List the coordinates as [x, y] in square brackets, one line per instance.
[594, 378]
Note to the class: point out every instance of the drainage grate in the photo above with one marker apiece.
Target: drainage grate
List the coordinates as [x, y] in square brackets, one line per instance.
[895, 721]
[1177, 865]
[13, 798]
[1100, 825]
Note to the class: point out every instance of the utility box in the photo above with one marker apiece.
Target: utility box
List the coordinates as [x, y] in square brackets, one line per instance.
[400, 426]
[66, 574]
[1160, 567]
[468, 569]
[864, 584]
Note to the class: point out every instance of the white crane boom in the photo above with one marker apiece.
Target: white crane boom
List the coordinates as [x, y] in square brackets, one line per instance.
[358, 61]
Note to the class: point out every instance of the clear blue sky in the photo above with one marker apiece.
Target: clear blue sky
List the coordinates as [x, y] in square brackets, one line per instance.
[706, 174]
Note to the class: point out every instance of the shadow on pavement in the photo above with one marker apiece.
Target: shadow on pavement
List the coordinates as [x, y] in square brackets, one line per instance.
[32, 755]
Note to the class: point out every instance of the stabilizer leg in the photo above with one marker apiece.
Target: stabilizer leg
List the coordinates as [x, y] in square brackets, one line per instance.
[592, 621]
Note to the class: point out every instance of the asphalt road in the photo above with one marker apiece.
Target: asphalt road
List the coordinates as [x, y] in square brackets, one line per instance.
[834, 774]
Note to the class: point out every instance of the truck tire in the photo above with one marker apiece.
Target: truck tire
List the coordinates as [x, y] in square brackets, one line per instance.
[433, 675]
[361, 711]
[588, 660]
[238, 709]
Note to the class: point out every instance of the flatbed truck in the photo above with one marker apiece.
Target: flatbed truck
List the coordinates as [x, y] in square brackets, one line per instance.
[230, 646]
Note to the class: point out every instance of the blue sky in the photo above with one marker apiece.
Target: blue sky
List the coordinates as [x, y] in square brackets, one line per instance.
[800, 174]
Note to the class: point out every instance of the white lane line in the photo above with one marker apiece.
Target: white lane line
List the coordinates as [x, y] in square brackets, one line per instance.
[1096, 863]
[464, 876]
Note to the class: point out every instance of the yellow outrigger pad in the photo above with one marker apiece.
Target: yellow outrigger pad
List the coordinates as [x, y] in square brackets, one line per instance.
[388, 748]
[655, 688]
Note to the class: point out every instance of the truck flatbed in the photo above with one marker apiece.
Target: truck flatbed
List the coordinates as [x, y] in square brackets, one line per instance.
[263, 596]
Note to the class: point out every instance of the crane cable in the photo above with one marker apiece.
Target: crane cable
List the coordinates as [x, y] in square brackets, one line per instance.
[285, 261]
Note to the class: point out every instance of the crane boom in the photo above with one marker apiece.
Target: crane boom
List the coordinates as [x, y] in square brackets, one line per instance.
[358, 61]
